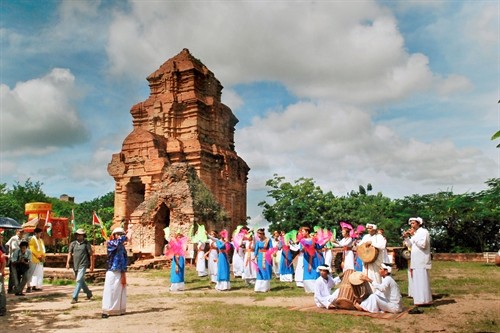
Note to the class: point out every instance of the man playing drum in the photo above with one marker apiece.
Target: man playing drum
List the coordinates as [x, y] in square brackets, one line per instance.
[387, 297]
[379, 242]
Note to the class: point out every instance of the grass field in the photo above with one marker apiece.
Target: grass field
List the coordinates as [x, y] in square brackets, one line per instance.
[448, 279]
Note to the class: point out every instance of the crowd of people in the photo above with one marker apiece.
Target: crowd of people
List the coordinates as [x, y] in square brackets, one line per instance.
[303, 257]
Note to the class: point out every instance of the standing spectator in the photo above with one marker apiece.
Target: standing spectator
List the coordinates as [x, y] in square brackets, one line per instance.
[420, 244]
[3, 263]
[13, 244]
[37, 248]
[114, 296]
[81, 252]
[21, 260]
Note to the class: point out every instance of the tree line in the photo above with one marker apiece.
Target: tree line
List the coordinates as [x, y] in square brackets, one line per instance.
[466, 222]
[13, 200]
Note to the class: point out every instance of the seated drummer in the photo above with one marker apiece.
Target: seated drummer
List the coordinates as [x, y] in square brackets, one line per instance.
[386, 296]
[323, 285]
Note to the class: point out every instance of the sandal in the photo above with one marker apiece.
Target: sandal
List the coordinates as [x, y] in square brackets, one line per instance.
[415, 311]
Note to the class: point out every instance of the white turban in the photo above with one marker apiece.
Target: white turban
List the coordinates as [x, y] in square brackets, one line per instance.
[323, 268]
[371, 225]
[416, 219]
[386, 267]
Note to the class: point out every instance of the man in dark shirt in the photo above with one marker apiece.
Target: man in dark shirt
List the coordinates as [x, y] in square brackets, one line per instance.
[81, 252]
[21, 259]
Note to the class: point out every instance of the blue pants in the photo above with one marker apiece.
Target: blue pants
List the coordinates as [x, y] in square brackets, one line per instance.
[80, 283]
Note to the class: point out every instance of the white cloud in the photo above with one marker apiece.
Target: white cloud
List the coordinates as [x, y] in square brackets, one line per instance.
[340, 147]
[232, 100]
[39, 115]
[95, 168]
[452, 84]
[325, 50]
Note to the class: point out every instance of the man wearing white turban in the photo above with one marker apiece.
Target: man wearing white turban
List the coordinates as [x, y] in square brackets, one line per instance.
[372, 238]
[420, 265]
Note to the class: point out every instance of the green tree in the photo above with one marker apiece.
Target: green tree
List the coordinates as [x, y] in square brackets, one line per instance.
[104, 208]
[12, 202]
[9, 206]
[294, 205]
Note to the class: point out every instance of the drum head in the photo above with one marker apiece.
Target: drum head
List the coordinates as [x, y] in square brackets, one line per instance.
[344, 304]
[355, 278]
[406, 254]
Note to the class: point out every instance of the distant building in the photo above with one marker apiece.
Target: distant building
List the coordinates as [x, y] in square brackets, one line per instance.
[67, 198]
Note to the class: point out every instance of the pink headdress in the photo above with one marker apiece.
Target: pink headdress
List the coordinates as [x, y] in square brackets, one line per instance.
[346, 225]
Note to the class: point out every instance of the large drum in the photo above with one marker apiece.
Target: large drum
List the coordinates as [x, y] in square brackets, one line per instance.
[361, 289]
[346, 297]
[367, 253]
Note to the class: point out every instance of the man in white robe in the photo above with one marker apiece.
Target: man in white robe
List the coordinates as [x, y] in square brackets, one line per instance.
[387, 296]
[323, 296]
[372, 238]
[420, 264]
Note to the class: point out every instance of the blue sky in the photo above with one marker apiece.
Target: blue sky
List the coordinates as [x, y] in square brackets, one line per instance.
[402, 95]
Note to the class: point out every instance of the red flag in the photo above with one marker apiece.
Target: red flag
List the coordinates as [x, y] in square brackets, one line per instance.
[97, 221]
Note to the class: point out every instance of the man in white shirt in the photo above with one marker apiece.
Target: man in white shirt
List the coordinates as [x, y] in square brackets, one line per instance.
[323, 285]
[378, 241]
[13, 244]
[387, 297]
[420, 264]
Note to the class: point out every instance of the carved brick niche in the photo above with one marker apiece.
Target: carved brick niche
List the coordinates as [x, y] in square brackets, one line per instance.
[181, 122]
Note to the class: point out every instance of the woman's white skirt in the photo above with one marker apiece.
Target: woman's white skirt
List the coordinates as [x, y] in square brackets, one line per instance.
[177, 286]
[223, 285]
[286, 277]
[114, 296]
[309, 286]
[262, 286]
[37, 276]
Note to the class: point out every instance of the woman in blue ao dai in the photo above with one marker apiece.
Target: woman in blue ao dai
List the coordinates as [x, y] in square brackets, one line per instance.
[265, 269]
[177, 248]
[223, 271]
[286, 262]
[311, 259]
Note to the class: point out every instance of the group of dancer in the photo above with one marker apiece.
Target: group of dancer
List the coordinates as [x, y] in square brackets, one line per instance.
[304, 257]
[293, 256]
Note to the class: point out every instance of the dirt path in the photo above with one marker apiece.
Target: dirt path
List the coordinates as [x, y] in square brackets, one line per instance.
[150, 309]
